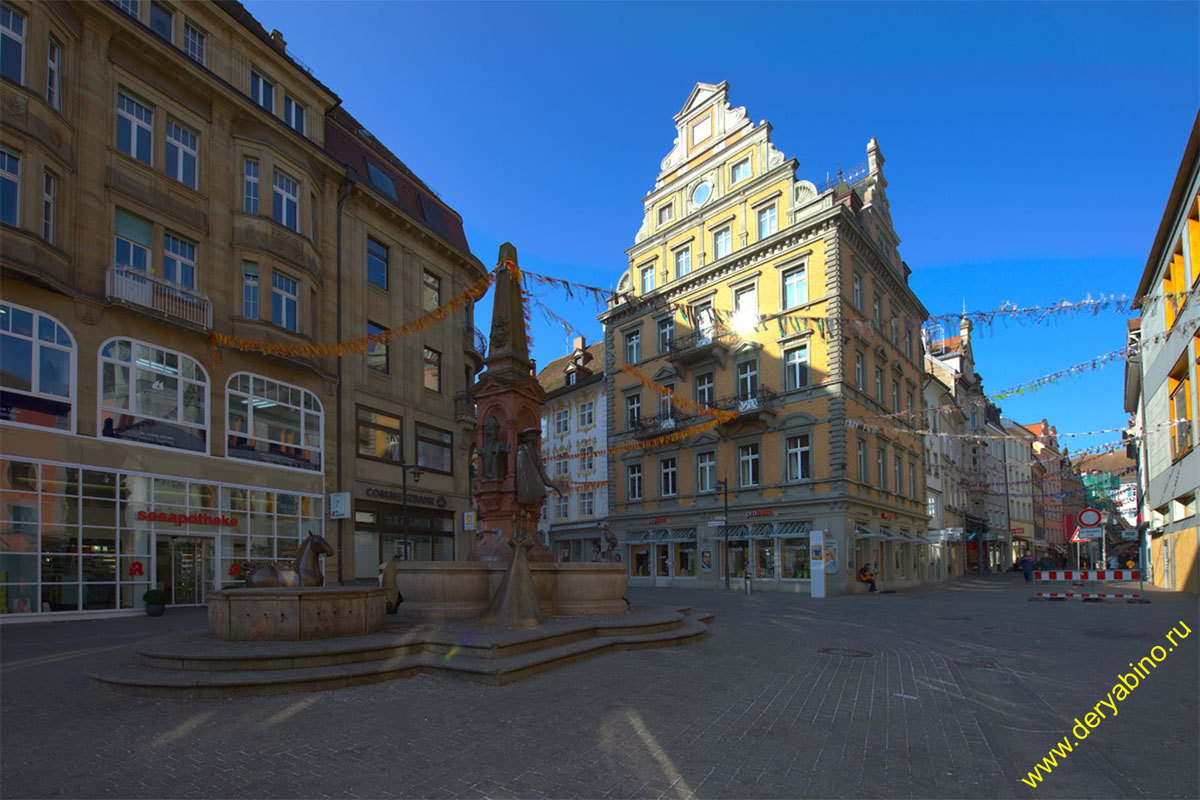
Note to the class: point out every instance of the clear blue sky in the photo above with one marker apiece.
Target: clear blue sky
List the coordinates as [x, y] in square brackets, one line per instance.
[1030, 146]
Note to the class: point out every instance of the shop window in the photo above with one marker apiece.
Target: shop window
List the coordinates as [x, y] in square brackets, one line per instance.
[380, 436]
[639, 560]
[435, 449]
[794, 559]
[37, 382]
[685, 560]
[764, 558]
[152, 396]
[273, 422]
[735, 557]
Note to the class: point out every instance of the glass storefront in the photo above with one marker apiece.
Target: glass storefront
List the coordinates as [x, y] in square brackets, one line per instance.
[379, 534]
[79, 539]
[639, 560]
[685, 560]
[795, 559]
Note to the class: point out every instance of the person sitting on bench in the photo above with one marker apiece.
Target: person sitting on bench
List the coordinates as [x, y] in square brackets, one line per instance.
[866, 575]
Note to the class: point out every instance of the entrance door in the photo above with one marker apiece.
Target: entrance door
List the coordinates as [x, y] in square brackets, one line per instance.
[184, 568]
[662, 565]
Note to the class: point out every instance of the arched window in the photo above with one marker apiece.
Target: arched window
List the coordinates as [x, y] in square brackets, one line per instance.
[273, 422]
[37, 369]
[152, 396]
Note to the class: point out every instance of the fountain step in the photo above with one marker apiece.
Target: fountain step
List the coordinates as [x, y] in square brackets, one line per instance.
[179, 669]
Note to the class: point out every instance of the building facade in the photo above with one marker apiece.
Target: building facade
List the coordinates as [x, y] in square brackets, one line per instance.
[1018, 466]
[171, 173]
[574, 524]
[1161, 388]
[787, 308]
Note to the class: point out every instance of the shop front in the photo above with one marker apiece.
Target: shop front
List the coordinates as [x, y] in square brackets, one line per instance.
[76, 538]
[420, 530]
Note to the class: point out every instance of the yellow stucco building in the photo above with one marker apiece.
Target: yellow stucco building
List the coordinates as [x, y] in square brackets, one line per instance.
[784, 308]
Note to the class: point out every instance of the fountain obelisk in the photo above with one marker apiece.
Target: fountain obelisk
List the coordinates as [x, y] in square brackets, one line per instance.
[511, 484]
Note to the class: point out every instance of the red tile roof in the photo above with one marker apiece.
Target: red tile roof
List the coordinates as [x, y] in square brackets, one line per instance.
[350, 143]
[951, 345]
[554, 375]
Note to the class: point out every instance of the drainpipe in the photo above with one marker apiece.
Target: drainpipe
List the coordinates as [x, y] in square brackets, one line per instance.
[347, 183]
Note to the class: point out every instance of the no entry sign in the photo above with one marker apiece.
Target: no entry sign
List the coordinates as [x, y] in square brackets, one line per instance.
[1089, 518]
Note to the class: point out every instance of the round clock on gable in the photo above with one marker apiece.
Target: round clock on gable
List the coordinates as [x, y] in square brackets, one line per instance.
[701, 193]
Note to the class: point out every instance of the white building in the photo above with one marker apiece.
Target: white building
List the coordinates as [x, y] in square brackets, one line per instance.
[574, 435]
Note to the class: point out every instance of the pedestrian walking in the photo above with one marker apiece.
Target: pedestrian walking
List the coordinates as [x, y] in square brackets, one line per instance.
[1026, 562]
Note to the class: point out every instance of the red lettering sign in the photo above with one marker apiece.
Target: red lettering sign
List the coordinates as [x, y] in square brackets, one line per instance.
[199, 518]
[135, 569]
[235, 570]
[762, 512]
[657, 521]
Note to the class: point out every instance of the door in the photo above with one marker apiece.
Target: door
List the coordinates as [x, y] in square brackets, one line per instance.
[662, 565]
[185, 568]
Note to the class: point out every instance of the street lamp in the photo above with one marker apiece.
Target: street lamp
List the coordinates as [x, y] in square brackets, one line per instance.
[723, 485]
[416, 471]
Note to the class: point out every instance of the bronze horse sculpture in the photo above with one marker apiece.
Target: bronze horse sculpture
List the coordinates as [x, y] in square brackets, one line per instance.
[304, 572]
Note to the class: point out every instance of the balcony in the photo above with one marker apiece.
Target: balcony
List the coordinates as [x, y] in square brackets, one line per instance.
[475, 343]
[749, 405]
[172, 300]
[666, 422]
[464, 408]
[708, 343]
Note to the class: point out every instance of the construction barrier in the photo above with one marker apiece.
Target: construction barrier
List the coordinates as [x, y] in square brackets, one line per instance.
[1087, 575]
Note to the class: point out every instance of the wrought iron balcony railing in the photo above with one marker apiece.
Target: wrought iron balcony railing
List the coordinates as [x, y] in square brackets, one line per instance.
[660, 423]
[140, 288]
[464, 407]
[760, 400]
[474, 339]
[718, 335]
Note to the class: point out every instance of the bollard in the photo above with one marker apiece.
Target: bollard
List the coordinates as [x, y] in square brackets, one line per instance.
[748, 583]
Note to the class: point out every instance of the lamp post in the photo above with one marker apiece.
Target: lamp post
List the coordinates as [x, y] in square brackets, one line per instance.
[416, 471]
[723, 485]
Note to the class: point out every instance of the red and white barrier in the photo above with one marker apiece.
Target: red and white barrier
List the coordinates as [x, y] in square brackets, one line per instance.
[1087, 575]
[1082, 594]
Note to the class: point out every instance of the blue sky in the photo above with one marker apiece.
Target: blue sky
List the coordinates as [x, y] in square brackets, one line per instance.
[1030, 147]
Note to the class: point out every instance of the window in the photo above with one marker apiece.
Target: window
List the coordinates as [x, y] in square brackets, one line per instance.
[745, 303]
[908, 343]
[897, 474]
[130, 7]
[909, 396]
[795, 367]
[162, 21]
[377, 264]
[37, 384]
[704, 320]
[706, 472]
[377, 351]
[587, 504]
[767, 223]
[250, 186]
[562, 467]
[131, 243]
[860, 371]
[647, 280]
[433, 369]
[293, 114]
[285, 297]
[380, 436]
[431, 296]
[879, 381]
[179, 260]
[562, 506]
[881, 468]
[666, 214]
[1180, 386]
[273, 422]
[152, 396]
[912, 480]
[633, 409]
[795, 290]
[587, 413]
[181, 154]
[193, 43]
[434, 449]
[747, 379]
[740, 171]
[49, 197]
[722, 243]
[878, 314]
[668, 473]
[633, 474]
[135, 129]
[797, 453]
[895, 394]
[894, 336]
[262, 92]
[748, 465]
[287, 201]
[587, 458]
[633, 347]
[562, 422]
[666, 335]
[705, 393]
[53, 74]
[666, 401]
[683, 262]
[12, 44]
[863, 477]
[856, 291]
[382, 181]
[10, 186]
[249, 290]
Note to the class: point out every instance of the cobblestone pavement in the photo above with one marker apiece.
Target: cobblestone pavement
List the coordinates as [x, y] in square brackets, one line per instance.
[949, 691]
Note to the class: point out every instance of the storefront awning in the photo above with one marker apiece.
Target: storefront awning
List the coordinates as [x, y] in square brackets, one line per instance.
[636, 537]
[862, 532]
[735, 531]
[762, 530]
[682, 535]
[795, 528]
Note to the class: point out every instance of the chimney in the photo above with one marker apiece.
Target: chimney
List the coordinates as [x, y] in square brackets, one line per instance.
[579, 343]
[277, 40]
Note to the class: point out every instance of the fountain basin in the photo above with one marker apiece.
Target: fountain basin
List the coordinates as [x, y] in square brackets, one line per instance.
[295, 614]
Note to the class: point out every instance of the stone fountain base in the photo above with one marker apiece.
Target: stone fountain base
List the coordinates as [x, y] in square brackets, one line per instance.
[462, 589]
[295, 614]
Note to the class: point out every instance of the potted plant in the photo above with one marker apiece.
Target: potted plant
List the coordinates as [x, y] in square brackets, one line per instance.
[156, 602]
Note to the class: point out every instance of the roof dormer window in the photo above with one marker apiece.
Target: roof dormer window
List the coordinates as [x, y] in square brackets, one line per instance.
[741, 171]
[666, 214]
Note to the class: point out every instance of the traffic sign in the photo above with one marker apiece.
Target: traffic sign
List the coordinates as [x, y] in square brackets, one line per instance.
[1085, 534]
[1089, 518]
[716, 523]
